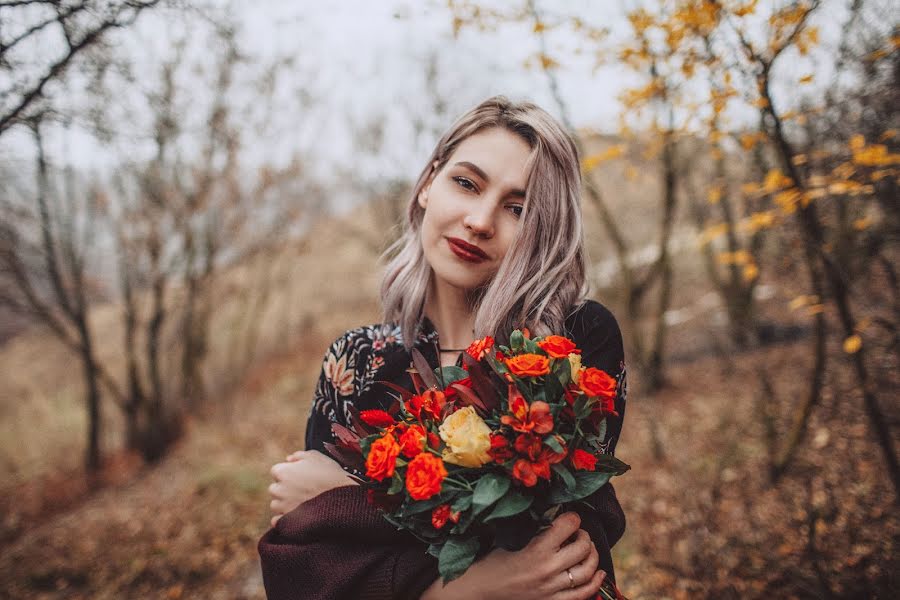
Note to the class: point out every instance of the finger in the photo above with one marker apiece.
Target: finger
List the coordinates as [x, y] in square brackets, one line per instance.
[582, 592]
[275, 519]
[583, 571]
[562, 527]
[576, 552]
[276, 507]
[275, 471]
[275, 490]
[295, 455]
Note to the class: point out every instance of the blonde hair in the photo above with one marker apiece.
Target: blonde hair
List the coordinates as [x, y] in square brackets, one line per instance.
[542, 277]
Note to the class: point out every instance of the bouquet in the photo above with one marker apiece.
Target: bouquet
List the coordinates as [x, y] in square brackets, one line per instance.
[485, 455]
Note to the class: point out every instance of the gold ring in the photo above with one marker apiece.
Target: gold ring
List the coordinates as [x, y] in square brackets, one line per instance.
[571, 579]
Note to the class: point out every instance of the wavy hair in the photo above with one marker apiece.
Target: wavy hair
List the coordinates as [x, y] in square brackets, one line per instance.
[542, 277]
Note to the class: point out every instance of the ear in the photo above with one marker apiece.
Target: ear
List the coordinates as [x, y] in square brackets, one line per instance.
[423, 194]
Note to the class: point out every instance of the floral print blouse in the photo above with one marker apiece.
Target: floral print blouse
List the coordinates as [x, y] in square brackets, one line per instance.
[361, 357]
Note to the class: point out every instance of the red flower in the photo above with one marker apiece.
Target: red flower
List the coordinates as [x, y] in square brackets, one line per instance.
[557, 346]
[424, 476]
[376, 418]
[382, 457]
[451, 393]
[434, 440]
[528, 444]
[528, 365]
[479, 348]
[583, 461]
[595, 382]
[441, 514]
[523, 472]
[525, 418]
[412, 442]
[431, 402]
[500, 449]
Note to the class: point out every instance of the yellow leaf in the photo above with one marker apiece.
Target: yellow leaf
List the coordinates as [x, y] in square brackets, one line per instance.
[746, 9]
[806, 79]
[547, 62]
[857, 142]
[776, 180]
[714, 195]
[861, 224]
[631, 174]
[760, 103]
[750, 272]
[591, 162]
[712, 232]
[815, 309]
[799, 159]
[801, 301]
[852, 344]
[538, 27]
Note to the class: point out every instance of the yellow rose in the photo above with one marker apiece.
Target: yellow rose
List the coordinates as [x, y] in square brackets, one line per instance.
[575, 366]
[468, 438]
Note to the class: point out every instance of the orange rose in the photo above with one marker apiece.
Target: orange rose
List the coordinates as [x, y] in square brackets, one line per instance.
[382, 458]
[558, 346]
[424, 476]
[479, 348]
[412, 442]
[528, 365]
[595, 382]
[584, 461]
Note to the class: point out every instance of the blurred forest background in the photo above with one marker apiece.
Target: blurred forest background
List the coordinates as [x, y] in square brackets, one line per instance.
[182, 234]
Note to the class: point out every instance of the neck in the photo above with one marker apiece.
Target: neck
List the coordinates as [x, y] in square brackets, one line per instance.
[448, 309]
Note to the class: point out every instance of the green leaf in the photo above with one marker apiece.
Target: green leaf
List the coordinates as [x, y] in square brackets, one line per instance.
[563, 371]
[601, 433]
[566, 475]
[553, 444]
[435, 550]
[396, 484]
[611, 464]
[489, 489]
[419, 506]
[456, 556]
[582, 407]
[586, 483]
[450, 374]
[511, 504]
[462, 503]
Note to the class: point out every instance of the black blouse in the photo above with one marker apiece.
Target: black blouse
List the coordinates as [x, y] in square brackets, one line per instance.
[360, 357]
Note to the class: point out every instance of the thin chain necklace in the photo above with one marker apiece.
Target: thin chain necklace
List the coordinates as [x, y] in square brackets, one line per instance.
[450, 349]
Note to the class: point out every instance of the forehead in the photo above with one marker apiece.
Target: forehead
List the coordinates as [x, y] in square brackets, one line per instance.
[500, 153]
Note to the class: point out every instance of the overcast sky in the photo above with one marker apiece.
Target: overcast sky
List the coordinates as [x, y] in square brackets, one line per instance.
[358, 62]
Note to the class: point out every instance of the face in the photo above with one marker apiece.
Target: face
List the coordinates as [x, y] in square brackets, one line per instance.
[473, 207]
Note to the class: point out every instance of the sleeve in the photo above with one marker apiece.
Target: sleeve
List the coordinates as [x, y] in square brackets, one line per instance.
[337, 545]
[334, 388]
[599, 337]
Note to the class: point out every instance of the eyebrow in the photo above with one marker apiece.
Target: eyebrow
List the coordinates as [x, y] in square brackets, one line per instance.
[478, 171]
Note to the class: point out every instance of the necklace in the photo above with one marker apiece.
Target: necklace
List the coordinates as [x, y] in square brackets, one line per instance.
[451, 349]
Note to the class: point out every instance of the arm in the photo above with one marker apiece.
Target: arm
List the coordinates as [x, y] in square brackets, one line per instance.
[599, 337]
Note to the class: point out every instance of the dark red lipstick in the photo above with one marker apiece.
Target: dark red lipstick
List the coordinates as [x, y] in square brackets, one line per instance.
[467, 251]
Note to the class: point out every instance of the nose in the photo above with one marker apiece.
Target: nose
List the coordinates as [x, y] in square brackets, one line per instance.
[480, 221]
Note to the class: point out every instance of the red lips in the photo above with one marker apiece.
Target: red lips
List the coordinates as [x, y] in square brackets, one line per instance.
[467, 251]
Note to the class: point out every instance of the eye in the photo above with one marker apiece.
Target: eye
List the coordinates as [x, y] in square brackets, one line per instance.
[465, 183]
[516, 209]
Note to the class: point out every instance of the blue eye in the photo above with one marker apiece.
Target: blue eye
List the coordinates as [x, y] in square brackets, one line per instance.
[465, 183]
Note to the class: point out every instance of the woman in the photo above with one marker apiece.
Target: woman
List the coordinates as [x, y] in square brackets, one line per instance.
[493, 242]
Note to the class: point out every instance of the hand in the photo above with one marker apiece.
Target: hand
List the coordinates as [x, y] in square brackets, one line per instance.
[537, 571]
[305, 475]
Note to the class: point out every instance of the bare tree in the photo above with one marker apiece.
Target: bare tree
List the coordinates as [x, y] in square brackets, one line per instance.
[30, 25]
